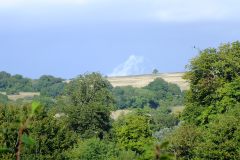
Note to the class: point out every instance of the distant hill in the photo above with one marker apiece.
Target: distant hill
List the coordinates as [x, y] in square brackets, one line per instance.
[144, 80]
[135, 81]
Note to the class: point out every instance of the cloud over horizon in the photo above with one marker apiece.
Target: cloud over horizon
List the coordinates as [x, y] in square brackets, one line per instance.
[189, 10]
[163, 11]
[132, 66]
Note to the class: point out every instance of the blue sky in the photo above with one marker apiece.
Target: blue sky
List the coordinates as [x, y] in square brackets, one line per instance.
[66, 38]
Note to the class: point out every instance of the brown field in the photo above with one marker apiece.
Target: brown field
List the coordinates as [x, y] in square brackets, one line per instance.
[23, 95]
[122, 112]
[143, 80]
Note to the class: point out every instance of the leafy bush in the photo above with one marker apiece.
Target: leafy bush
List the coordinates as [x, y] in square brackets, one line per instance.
[93, 148]
[133, 133]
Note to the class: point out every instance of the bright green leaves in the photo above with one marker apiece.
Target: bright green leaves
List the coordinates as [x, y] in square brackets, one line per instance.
[34, 107]
[28, 140]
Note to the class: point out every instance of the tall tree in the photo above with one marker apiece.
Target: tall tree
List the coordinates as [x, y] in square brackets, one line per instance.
[90, 104]
[208, 72]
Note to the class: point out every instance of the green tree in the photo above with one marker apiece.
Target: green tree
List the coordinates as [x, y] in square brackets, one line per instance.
[49, 86]
[155, 71]
[42, 136]
[14, 84]
[212, 106]
[221, 138]
[133, 133]
[130, 97]
[228, 95]
[18, 127]
[162, 118]
[9, 120]
[164, 90]
[45, 101]
[208, 72]
[4, 77]
[183, 140]
[90, 104]
[52, 137]
[93, 148]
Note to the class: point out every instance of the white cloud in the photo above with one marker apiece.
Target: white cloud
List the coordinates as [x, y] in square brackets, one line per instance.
[194, 10]
[132, 66]
[143, 10]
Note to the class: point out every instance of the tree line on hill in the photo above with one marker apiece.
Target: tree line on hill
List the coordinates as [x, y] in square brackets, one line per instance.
[78, 125]
[47, 85]
[158, 92]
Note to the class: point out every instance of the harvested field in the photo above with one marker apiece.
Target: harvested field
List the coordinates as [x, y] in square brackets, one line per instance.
[143, 80]
[118, 113]
[23, 95]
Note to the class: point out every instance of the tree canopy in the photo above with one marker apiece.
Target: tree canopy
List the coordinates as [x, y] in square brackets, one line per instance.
[211, 75]
[210, 127]
[90, 104]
